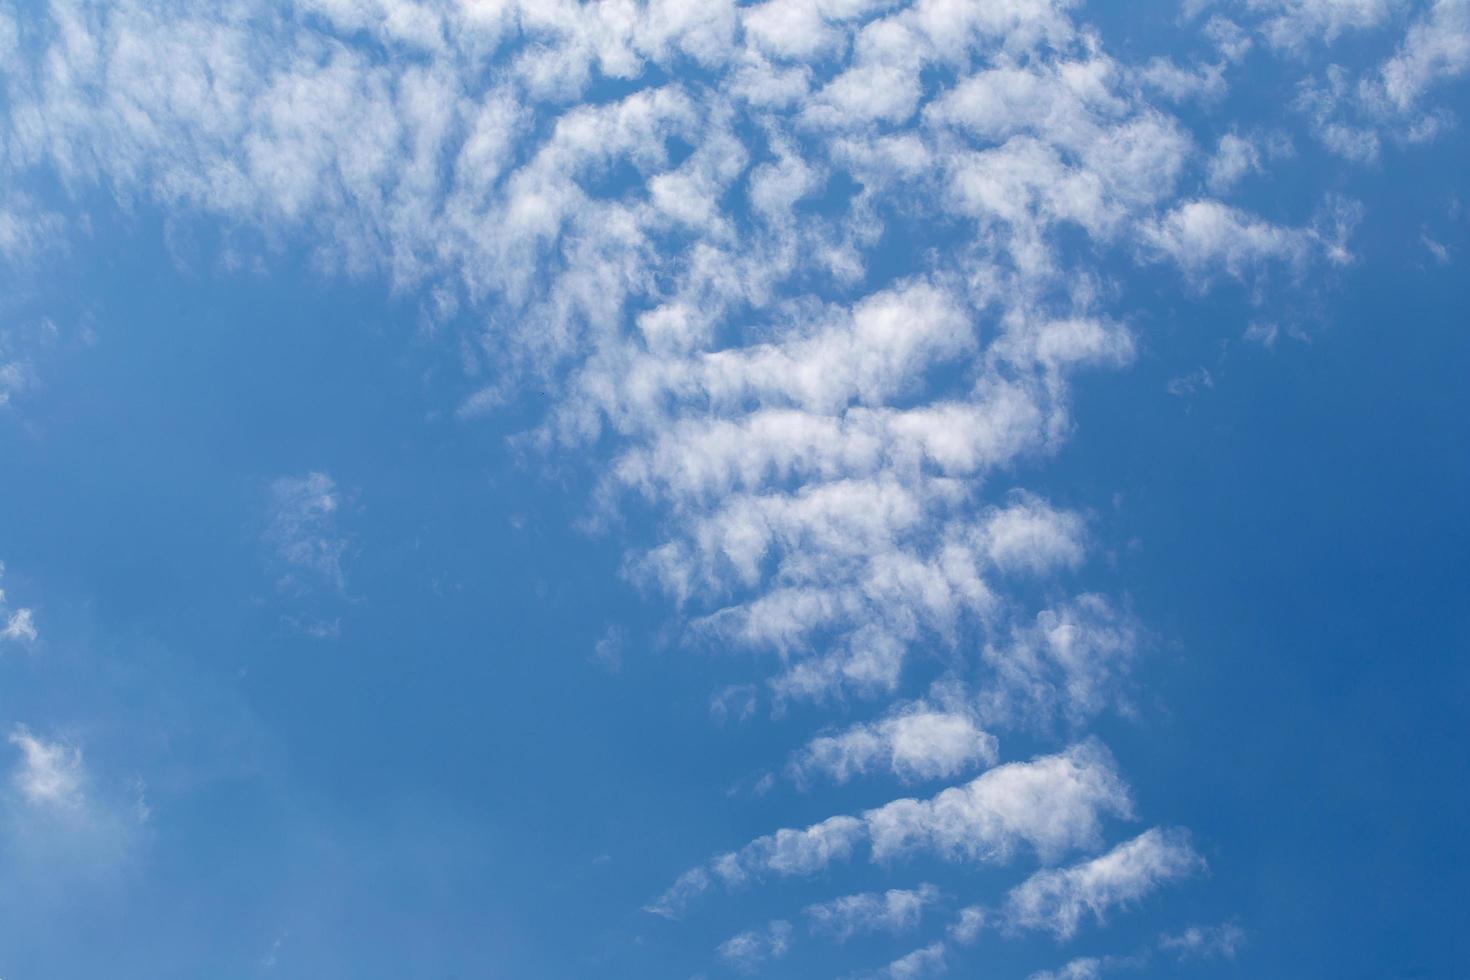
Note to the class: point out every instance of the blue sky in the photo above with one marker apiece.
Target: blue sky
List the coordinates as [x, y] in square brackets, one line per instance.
[813, 488]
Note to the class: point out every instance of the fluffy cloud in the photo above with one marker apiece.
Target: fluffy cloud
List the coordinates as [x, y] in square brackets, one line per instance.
[916, 740]
[1057, 901]
[1052, 805]
[1206, 235]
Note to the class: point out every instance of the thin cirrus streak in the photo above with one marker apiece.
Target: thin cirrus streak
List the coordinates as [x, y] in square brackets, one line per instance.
[799, 273]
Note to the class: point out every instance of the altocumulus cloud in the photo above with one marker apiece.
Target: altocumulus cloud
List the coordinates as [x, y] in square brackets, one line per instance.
[828, 439]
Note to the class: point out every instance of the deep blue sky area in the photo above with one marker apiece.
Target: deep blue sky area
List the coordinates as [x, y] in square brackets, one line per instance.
[329, 670]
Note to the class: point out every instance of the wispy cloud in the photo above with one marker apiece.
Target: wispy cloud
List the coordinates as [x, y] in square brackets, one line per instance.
[928, 961]
[303, 531]
[1051, 805]
[1205, 942]
[749, 950]
[17, 623]
[50, 774]
[1057, 901]
[895, 911]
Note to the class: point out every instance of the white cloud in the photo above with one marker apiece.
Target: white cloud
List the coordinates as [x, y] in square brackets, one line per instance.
[792, 852]
[1438, 250]
[1067, 664]
[1205, 235]
[303, 530]
[1051, 805]
[1031, 536]
[607, 652]
[1435, 49]
[915, 740]
[1082, 968]
[926, 962]
[968, 924]
[50, 774]
[27, 230]
[896, 910]
[18, 624]
[1057, 901]
[737, 700]
[689, 886]
[748, 950]
[1353, 113]
[697, 267]
[1234, 158]
[1187, 385]
[1178, 84]
[1292, 24]
[1205, 942]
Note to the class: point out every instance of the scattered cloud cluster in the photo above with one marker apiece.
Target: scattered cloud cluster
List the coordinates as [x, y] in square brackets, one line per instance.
[811, 280]
[1049, 806]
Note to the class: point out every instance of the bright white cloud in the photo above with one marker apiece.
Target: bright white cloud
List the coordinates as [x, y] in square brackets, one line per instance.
[1057, 901]
[916, 740]
[1051, 805]
[1206, 235]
